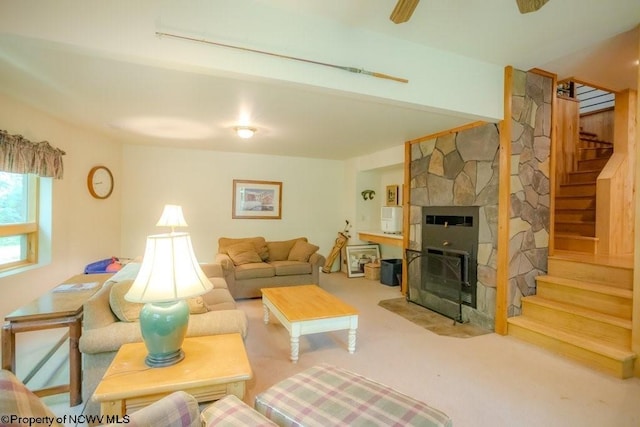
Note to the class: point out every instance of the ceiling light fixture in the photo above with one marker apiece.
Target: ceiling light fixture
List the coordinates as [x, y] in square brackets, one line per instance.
[245, 132]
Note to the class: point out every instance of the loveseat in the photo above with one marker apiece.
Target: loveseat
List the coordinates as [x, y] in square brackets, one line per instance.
[110, 321]
[251, 263]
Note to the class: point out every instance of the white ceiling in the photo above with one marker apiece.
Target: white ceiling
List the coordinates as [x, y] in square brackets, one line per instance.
[588, 39]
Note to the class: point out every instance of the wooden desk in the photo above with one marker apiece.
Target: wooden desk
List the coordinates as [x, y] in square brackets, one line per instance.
[381, 238]
[308, 309]
[58, 308]
[213, 366]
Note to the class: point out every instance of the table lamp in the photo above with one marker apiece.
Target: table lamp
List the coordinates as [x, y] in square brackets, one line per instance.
[169, 273]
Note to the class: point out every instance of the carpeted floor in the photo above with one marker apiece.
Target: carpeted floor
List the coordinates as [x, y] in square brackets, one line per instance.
[431, 320]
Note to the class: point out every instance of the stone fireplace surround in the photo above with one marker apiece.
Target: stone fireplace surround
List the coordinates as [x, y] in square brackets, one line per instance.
[461, 168]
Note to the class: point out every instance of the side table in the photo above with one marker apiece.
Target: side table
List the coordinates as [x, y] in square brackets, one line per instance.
[213, 366]
[59, 308]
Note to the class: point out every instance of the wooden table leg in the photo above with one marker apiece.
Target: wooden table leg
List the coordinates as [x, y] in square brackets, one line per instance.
[8, 348]
[75, 363]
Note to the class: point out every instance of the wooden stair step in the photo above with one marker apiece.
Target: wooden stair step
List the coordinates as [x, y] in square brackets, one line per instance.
[575, 202]
[595, 140]
[579, 320]
[576, 215]
[606, 269]
[578, 189]
[590, 164]
[590, 153]
[587, 134]
[602, 356]
[581, 228]
[593, 296]
[575, 243]
[583, 177]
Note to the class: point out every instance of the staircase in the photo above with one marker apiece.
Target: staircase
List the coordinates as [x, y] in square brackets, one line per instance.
[582, 310]
[575, 212]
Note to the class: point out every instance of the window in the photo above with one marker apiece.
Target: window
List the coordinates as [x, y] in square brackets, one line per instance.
[18, 220]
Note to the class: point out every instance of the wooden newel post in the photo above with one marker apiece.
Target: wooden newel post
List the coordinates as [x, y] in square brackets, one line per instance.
[335, 252]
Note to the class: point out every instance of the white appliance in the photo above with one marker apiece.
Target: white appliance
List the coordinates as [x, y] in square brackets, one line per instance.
[391, 219]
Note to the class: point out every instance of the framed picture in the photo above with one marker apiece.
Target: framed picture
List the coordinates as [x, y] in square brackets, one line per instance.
[256, 199]
[358, 256]
[392, 195]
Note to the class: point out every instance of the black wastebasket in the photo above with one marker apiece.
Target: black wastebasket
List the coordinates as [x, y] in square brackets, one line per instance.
[390, 271]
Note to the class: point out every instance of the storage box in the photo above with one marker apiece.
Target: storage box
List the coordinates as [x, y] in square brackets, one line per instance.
[372, 271]
[390, 272]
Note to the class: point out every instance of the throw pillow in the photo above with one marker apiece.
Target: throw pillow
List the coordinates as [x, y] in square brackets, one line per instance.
[124, 310]
[258, 243]
[279, 251]
[243, 253]
[197, 305]
[302, 251]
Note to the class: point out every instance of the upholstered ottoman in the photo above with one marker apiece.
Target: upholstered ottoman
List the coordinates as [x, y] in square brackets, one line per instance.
[329, 396]
[233, 412]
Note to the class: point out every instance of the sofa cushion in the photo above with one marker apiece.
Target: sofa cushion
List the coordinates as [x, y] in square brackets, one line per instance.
[279, 251]
[128, 311]
[232, 412]
[243, 253]
[219, 299]
[18, 401]
[259, 244]
[254, 270]
[124, 310]
[301, 251]
[291, 268]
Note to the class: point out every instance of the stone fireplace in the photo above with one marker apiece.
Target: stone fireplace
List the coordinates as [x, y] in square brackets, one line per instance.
[444, 273]
[460, 169]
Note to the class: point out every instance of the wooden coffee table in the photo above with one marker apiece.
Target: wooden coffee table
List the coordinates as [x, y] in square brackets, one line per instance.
[308, 309]
[213, 366]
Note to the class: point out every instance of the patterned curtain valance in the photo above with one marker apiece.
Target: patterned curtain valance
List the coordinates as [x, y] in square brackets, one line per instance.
[19, 155]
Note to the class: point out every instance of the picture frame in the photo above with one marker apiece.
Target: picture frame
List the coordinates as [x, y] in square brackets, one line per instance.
[392, 195]
[256, 199]
[358, 256]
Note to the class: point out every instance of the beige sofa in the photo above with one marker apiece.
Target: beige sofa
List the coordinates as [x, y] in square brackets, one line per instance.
[109, 322]
[251, 263]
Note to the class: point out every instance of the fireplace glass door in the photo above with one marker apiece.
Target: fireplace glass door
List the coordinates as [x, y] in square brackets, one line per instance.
[446, 274]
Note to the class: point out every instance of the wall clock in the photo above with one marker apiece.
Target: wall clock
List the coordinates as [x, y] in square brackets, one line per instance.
[100, 182]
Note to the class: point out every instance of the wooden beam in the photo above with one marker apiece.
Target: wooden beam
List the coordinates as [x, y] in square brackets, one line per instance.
[406, 226]
[447, 132]
[403, 11]
[635, 327]
[504, 207]
[552, 159]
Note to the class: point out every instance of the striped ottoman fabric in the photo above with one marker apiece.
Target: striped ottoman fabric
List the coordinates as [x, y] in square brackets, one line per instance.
[233, 412]
[329, 396]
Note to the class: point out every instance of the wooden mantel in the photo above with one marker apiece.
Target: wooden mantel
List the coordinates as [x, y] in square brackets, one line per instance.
[381, 238]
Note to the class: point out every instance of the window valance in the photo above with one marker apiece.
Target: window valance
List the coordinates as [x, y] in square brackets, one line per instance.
[19, 155]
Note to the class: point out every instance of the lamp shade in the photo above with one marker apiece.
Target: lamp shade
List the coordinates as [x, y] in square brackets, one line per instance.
[169, 271]
[172, 217]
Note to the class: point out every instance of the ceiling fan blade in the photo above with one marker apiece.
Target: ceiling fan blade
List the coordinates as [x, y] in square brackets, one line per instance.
[527, 6]
[403, 11]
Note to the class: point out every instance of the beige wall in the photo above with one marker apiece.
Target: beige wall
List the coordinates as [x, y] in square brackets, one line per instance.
[318, 195]
[313, 196]
[84, 229]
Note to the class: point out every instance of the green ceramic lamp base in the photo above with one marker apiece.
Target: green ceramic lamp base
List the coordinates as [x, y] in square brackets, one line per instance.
[164, 326]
